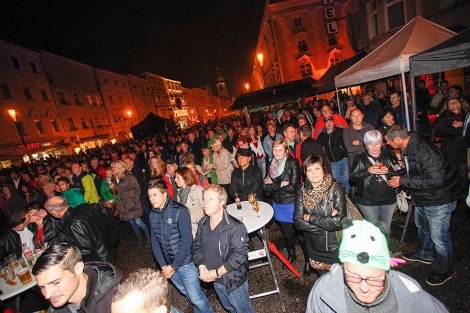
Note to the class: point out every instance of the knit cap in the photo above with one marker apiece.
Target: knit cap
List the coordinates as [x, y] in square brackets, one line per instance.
[364, 244]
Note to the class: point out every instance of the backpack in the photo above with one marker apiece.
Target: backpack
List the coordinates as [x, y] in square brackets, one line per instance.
[352, 212]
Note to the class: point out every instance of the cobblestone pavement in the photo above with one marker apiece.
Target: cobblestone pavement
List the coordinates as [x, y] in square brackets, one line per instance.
[295, 291]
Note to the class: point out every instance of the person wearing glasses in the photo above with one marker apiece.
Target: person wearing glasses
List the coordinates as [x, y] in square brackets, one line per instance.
[363, 281]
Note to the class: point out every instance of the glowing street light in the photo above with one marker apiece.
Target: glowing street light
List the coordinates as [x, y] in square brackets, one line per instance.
[260, 58]
[12, 114]
[130, 117]
[247, 87]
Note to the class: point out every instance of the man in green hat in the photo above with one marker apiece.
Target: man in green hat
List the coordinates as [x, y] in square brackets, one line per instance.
[363, 282]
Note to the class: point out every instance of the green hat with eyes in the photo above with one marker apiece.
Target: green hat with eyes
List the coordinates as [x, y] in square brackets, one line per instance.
[364, 244]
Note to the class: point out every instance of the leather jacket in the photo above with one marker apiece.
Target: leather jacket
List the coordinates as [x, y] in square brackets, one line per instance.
[10, 243]
[291, 173]
[247, 181]
[321, 226]
[91, 232]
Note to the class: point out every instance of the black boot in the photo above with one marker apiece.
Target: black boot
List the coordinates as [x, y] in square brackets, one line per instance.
[291, 256]
[307, 268]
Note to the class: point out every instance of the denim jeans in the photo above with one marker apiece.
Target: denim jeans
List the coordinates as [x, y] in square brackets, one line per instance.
[432, 222]
[186, 280]
[262, 165]
[381, 214]
[237, 301]
[340, 172]
[137, 225]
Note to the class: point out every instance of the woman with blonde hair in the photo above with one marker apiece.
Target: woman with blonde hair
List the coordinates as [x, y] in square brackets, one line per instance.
[157, 167]
[222, 164]
[128, 202]
[190, 194]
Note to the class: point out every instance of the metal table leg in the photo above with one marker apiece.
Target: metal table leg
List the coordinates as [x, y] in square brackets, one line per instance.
[255, 255]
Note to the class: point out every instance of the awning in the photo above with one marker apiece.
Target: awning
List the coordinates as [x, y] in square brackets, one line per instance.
[448, 55]
[276, 94]
[392, 57]
[327, 82]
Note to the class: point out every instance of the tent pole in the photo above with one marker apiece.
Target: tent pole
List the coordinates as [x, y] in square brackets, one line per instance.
[337, 100]
[407, 113]
[413, 104]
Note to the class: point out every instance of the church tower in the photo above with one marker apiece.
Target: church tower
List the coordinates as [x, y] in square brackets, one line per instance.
[221, 86]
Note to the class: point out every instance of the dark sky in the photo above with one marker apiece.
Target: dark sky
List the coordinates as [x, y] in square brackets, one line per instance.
[181, 40]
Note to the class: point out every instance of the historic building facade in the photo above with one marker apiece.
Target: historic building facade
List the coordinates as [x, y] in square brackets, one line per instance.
[299, 39]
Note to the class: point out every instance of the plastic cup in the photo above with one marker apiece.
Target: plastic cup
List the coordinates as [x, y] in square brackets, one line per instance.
[7, 273]
[12, 261]
[24, 275]
[24, 262]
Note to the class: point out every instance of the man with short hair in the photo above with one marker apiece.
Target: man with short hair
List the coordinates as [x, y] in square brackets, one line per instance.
[434, 187]
[73, 196]
[371, 109]
[73, 286]
[290, 134]
[246, 178]
[169, 177]
[398, 108]
[15, 234]
[172, 242]
[308, 146]
[86, 228]
[327, 112]
[221, 252]
[143, 291]
[441, 95]
[196, 147]
[331, 138]
[363, 282]
[353, 136]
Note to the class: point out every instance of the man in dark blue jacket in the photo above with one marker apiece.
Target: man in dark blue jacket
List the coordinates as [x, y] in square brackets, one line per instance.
[221, 252]
[172, 241]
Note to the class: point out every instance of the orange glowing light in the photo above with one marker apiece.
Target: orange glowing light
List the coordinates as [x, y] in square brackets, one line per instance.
[260, 58]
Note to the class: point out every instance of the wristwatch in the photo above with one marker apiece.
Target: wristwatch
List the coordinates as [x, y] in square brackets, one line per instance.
[217, 273]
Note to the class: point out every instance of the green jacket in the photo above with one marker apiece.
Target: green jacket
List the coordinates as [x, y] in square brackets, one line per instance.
[90, 194]
[74, 197]
[106, 193]
[213, 174]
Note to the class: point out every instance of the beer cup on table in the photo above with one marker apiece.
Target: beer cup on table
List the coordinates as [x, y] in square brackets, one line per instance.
[7, 272]
[24, 275]
[12, 261]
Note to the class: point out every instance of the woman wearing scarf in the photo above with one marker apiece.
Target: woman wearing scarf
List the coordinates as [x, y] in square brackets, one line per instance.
[282, 181]
[190, 194]
[320, 204]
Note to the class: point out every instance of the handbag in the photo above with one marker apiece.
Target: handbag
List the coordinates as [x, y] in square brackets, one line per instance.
[402, 198]
[352, 212]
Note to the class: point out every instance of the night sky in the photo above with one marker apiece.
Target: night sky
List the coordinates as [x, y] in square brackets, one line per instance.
[181, 40]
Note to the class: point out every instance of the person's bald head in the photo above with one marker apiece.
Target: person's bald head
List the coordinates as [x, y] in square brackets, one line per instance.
[56, 206]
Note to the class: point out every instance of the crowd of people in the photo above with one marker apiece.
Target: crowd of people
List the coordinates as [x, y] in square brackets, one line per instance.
[306, 161]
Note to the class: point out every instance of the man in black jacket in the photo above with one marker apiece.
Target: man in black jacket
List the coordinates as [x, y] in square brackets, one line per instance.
[247, 178]
[10, 240]
[331, 138]
[308, 146]
[73, 286]
[87, 228]
[221, 252]
[434, 189]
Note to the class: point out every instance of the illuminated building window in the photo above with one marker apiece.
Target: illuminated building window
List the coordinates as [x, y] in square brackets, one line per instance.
[298, 22]
[90, 102]
[306, 69]
[373, 19]
[98, 102]
[55, 126]
[302, 45]
[6, 92]
[44, 95]
[27, 93]
[395, 14]
[335, 58]
[39, 126]
[71, 123]
[84, 123]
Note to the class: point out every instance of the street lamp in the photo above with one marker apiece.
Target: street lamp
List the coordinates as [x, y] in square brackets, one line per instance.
[130, 117]
[260, 58]
[260, 61]
[247, 87]
[12, 114]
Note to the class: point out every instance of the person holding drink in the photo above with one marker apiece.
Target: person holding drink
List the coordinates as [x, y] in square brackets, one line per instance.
[370, 172]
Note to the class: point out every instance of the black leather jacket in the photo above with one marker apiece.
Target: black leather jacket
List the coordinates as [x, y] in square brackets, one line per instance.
[247, 181]
[286, 194]
[10, 243]
[91, 232]
[321, 226]
[432, 180]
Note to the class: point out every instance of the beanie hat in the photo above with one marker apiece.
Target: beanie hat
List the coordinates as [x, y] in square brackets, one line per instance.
[364, 244]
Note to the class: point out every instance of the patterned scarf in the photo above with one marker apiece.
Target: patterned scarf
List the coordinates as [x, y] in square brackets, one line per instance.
[183, 194]
[277, 167]
[313, 197]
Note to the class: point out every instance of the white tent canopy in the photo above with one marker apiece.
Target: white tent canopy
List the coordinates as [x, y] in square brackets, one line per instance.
[392, 57]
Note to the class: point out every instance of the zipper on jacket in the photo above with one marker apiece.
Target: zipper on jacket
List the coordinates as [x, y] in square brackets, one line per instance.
[243, 178]
[329, 145]
[326, 240]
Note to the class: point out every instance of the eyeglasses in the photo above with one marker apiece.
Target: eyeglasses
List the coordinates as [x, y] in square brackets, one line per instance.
[373, 282]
